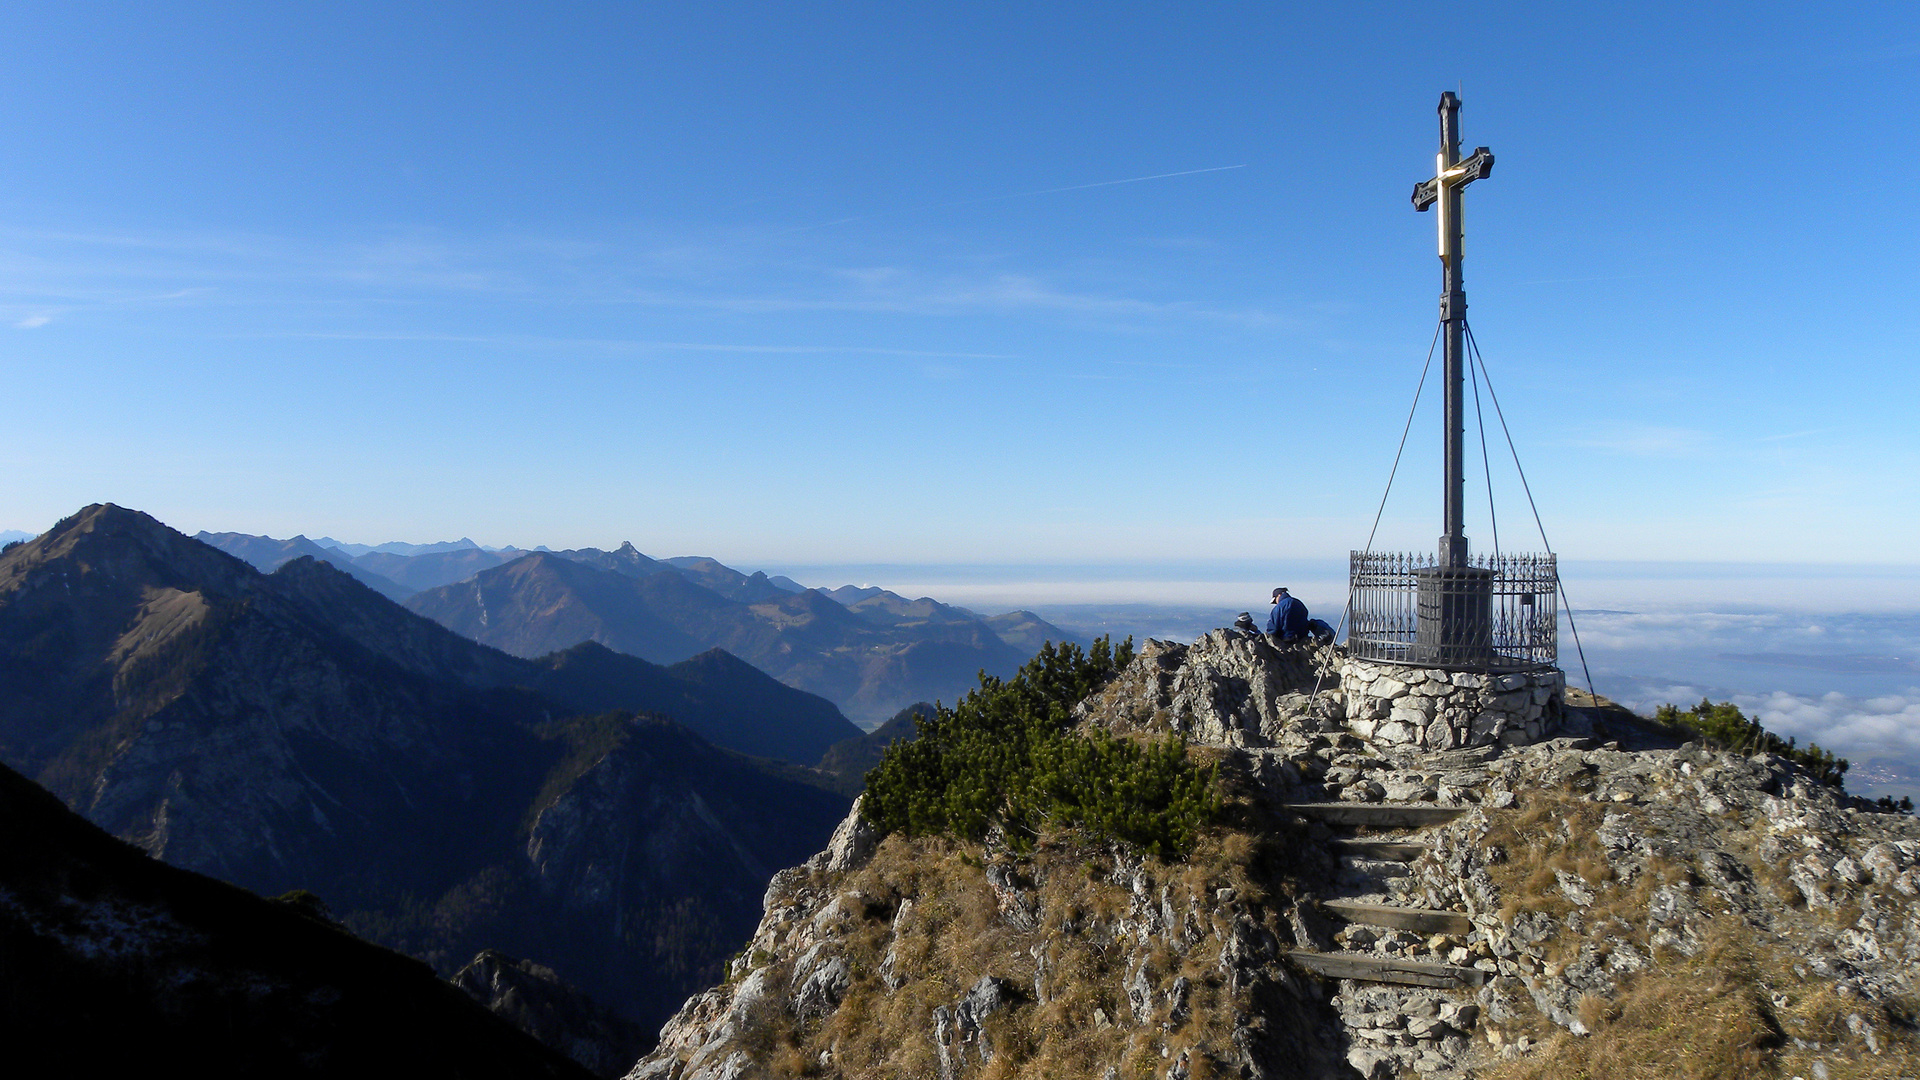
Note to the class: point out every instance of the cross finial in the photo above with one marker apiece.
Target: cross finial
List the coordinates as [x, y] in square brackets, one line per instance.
[1449, 170]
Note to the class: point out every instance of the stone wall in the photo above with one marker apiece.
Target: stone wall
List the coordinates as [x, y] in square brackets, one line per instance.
[1447, 710]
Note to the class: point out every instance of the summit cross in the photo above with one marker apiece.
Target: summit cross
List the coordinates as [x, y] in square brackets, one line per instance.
[1451, 175]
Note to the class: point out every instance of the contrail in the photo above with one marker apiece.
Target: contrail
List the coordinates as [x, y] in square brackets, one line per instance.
[1014, 195]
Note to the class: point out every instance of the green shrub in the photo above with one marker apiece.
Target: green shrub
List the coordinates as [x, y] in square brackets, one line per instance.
[307, 903]
[1726, 726]
[1007, 755]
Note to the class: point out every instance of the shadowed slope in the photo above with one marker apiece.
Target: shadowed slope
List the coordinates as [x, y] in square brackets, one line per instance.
[118, 964]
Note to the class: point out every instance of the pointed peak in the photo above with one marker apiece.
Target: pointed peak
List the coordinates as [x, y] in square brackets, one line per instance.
[713, 660]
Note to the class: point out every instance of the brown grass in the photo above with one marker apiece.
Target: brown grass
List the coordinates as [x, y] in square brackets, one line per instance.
[1702, 1022]
[1714, 1016]
[1730, 1011]
[954, 933]
[1552, 832]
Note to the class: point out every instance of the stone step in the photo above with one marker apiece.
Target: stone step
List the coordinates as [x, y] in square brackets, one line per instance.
[1385, 850]
[1419, 920]
[1379, 872]
[1384, 970]
[1378, 815]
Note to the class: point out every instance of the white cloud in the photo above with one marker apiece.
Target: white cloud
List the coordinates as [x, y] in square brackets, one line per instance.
[1885, 725]
[33, 322]
[1849, 681]
[737, 272]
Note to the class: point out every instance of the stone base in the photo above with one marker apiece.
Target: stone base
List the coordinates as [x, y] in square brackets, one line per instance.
[1438, 709]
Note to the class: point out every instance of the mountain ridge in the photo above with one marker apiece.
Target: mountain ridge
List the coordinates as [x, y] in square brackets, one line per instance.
[882, 654]
[267, 555]
[299, 731]
[919, 649]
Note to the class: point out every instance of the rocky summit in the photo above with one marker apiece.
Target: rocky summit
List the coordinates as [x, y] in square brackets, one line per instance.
[1610, 899]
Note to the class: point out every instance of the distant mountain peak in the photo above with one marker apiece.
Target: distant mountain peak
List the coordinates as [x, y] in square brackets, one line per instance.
[720, 659]
[309, 568]
[112, 543]
[96, 513]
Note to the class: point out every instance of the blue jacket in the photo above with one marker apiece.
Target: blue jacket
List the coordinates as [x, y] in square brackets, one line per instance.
[1288, 619]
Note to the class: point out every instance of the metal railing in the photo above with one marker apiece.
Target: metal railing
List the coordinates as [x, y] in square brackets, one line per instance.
[1498, 613]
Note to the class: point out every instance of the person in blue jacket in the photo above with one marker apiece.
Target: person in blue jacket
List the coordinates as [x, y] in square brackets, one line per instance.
[1288, 619]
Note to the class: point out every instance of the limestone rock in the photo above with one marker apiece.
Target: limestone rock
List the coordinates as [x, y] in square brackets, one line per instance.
[1667, 840]
[535, 1000]
[851, 844]
[956, 1028]
[1228, 688]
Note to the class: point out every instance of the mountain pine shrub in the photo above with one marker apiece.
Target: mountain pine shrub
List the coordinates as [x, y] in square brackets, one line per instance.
[1007, 755]
[1724, 725]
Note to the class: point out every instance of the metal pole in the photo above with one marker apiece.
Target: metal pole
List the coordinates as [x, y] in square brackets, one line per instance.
[1453, 312]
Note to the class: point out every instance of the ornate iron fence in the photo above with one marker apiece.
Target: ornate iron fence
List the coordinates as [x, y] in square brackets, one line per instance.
[1498, 613]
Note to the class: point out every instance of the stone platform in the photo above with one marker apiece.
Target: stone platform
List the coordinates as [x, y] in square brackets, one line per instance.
[1447, 710]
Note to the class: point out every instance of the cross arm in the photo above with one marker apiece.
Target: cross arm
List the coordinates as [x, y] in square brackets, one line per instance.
[1476, 166]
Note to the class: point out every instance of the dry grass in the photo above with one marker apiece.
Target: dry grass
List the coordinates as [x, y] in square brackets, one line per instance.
[1732, 1010]
[954, 933]
[1727, 1012]
[1552, 833]
[1703, 1021]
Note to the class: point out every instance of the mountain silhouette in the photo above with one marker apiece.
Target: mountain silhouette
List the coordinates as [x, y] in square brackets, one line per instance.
[267, 554]
[893, 652]
[432, 569]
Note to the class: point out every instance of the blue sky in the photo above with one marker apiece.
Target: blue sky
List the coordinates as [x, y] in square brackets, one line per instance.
[835, 284]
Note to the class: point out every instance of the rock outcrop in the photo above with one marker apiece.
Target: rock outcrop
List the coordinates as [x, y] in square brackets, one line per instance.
[534, 999]
[1228, 689]
[1371, 907]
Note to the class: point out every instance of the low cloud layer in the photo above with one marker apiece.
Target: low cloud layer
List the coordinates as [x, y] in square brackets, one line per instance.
[1848, 681]
[1884, 725]
[1840, 642]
